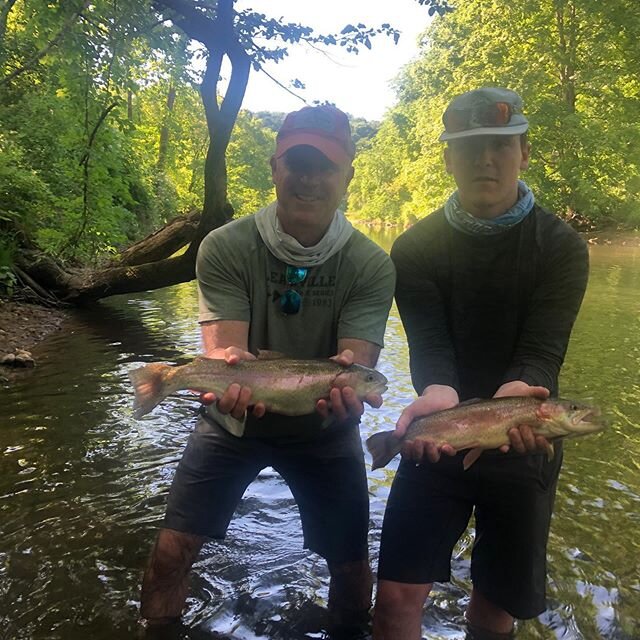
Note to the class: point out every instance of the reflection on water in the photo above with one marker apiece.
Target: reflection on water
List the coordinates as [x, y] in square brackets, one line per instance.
[83, 486]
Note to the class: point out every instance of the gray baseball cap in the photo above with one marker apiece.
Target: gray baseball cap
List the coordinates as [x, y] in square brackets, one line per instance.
[483, 112]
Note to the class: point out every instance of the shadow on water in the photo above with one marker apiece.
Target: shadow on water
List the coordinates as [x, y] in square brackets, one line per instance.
[83, 487]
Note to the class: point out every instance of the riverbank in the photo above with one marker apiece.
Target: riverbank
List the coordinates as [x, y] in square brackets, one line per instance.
[23, 325]
[616, 238]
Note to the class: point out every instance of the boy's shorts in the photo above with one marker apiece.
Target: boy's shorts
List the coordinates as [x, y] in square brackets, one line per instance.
[325, 473]
[428, 511]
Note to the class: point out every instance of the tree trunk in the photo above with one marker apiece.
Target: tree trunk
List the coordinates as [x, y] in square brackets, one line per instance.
[163, 243]
[164, 130]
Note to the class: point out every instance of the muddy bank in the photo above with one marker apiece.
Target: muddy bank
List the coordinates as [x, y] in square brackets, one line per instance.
[23, 325]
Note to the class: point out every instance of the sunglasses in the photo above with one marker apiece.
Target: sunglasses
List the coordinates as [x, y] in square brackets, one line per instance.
[291, 301]
[496, 114]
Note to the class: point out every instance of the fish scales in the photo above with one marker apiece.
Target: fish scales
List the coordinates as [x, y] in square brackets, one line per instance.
[481, 425]
[286, 386]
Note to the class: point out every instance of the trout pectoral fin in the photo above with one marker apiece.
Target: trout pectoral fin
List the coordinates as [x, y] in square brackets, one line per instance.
[327, 422]
[471, 457]
[542, 412]
[550, 451]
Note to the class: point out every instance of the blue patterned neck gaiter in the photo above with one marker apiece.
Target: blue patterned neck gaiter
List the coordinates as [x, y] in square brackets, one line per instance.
[463, 221]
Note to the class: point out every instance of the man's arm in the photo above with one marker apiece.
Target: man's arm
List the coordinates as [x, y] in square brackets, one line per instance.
[364, 352]
[363, 315]
[220, 335]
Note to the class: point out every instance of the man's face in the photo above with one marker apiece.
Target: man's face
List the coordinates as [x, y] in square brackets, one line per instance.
[486, 170]
[309, 188]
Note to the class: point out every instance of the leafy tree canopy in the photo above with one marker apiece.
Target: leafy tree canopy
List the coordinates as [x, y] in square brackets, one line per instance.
[576, 64]
[113, 122]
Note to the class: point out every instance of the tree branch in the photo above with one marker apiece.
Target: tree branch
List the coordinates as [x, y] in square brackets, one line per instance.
[32, 61]
[274, 79]
[196, 24]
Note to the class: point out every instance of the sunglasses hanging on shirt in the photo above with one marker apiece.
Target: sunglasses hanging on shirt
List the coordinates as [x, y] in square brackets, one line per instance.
[291, 300]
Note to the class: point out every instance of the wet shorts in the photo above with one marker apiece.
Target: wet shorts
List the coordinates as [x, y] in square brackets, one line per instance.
[325, 473]
[429, 508]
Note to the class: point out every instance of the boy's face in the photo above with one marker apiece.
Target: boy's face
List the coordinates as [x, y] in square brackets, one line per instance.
[486, 170]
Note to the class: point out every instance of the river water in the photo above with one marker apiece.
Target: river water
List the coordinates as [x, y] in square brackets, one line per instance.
[83, 486]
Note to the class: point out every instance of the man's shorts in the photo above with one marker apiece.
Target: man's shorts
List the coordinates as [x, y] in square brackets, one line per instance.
[325, 473]
[428, 511]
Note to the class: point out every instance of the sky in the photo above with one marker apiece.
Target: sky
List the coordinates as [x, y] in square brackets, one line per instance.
[358, 84]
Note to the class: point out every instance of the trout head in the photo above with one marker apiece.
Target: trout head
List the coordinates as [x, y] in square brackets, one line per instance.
[568, 418]
[362, 380]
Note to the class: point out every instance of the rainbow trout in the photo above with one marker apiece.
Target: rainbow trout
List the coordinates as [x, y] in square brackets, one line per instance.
[483, 424]
[289, 387]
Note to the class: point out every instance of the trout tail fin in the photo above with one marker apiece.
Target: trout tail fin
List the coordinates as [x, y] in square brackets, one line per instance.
[149, 387]
[383, 447]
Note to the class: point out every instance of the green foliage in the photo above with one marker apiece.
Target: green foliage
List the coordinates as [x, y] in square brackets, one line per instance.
[577, 66]
[7, 277]
[271, 119]
[24, 195]
[104, 136]
[82, 166]
[248, 173]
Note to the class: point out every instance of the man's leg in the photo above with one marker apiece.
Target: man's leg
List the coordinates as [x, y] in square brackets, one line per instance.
[398, 611]
[350, 593]
[213, 473]
[165, 584]
[335, 521]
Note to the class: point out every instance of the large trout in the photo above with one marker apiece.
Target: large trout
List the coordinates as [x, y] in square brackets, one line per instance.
[483, 424]
[289, 387]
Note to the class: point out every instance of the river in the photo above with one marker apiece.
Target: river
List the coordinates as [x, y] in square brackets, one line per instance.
[83, 486]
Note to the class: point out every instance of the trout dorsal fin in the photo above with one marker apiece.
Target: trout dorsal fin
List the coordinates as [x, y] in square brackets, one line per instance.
[265, 354]
[466, 403]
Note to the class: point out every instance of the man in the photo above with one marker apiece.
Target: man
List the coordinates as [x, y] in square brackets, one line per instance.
[488, 290]
[298, 279]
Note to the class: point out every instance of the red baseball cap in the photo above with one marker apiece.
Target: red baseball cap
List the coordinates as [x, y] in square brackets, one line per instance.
[324, 127]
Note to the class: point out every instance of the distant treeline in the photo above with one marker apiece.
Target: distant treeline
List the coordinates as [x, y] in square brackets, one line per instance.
[576, 64]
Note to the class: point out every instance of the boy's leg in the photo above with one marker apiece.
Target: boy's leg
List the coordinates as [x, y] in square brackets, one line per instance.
[428, 509]
[398, 611]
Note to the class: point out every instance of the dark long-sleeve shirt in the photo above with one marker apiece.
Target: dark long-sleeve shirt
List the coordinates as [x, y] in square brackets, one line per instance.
[483, 310]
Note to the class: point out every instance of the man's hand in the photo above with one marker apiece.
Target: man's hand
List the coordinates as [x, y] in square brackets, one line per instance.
[343, 404]
[236, 399]
[522, 438]
[435, 397]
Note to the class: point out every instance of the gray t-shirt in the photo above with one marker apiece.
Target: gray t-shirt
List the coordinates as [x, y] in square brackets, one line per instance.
[348, 296]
